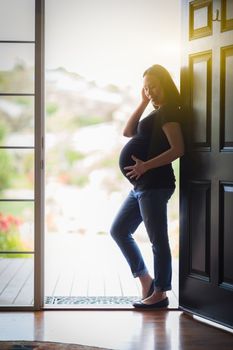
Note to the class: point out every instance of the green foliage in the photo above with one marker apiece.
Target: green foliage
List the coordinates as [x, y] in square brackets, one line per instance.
[23, 166]
[10, 242]
[66, 174]
[12, 164]
[110, 162]
[51, 108]
[3, 131]
[20, 78]
[73, 156]
[9, 236]
[101, 233]
[5, 170]
[23, 100]
[5, 162]
[80, 181]
[17, 208]
[89, 120]
[2, 81]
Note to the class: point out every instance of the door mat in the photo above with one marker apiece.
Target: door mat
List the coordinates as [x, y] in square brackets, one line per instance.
[98, 300]
[28, 345]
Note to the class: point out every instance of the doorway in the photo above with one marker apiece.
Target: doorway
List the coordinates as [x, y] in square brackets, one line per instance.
[93, 82]
[113, 93]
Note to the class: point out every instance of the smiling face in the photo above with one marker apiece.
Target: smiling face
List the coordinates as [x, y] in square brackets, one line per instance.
[153, 90]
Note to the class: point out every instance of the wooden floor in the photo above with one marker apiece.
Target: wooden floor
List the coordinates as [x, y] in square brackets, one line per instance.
[117, 330]
[70, 272]
[16, 281]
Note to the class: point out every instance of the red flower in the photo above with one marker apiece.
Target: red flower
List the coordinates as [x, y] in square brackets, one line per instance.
[4, 225]
[7, 222]
[12, 220]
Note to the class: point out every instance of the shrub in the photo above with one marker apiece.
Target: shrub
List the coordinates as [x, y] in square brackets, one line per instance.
[9, 235]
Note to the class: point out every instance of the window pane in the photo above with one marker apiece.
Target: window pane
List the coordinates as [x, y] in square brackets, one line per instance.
[17, 68]
[17, 121]
[16, 279]
[16, 226]
[22, 15]
[16, 173]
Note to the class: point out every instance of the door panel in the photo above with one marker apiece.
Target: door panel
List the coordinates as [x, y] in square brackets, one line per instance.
[201, 75]
[206, 178]
[226, 83]
[226, 222]
[226, 15]
[199, 230]
[200, 15]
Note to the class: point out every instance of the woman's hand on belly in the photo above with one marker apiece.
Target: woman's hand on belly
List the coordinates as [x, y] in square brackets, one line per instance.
[136, 170]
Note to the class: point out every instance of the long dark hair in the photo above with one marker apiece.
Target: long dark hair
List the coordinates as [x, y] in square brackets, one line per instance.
[171, 93]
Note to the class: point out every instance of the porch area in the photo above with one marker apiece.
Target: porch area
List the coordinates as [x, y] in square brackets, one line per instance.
[80, 272]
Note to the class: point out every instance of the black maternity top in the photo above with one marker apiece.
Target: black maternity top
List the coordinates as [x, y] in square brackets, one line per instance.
[148, 142]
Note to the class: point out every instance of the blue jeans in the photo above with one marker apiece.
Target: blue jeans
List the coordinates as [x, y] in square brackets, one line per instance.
[149, 206]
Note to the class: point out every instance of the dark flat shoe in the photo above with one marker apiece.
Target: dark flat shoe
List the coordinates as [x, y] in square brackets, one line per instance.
[158, 305]
[151, 290]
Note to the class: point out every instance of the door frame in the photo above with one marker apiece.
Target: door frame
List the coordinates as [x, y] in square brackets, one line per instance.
[39, 152]
[39, 73]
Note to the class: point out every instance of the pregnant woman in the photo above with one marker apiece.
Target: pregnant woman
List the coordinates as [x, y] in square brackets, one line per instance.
[156, 141]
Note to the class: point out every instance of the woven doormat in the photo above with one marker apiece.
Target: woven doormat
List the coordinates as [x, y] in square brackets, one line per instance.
[96, 300]
[28, 345]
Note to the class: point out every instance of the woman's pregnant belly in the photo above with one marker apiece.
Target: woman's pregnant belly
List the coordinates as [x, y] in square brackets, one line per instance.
[137, 146]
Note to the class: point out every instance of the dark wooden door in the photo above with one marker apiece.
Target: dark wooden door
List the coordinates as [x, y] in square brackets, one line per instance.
[206, 178]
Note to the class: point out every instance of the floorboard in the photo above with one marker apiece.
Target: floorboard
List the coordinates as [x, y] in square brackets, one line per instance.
[117, 330]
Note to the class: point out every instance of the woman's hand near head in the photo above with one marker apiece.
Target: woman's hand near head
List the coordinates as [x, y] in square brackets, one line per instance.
[145, 99]
[131, 125]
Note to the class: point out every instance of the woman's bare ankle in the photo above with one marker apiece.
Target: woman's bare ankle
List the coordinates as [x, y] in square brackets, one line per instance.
[146, 281]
